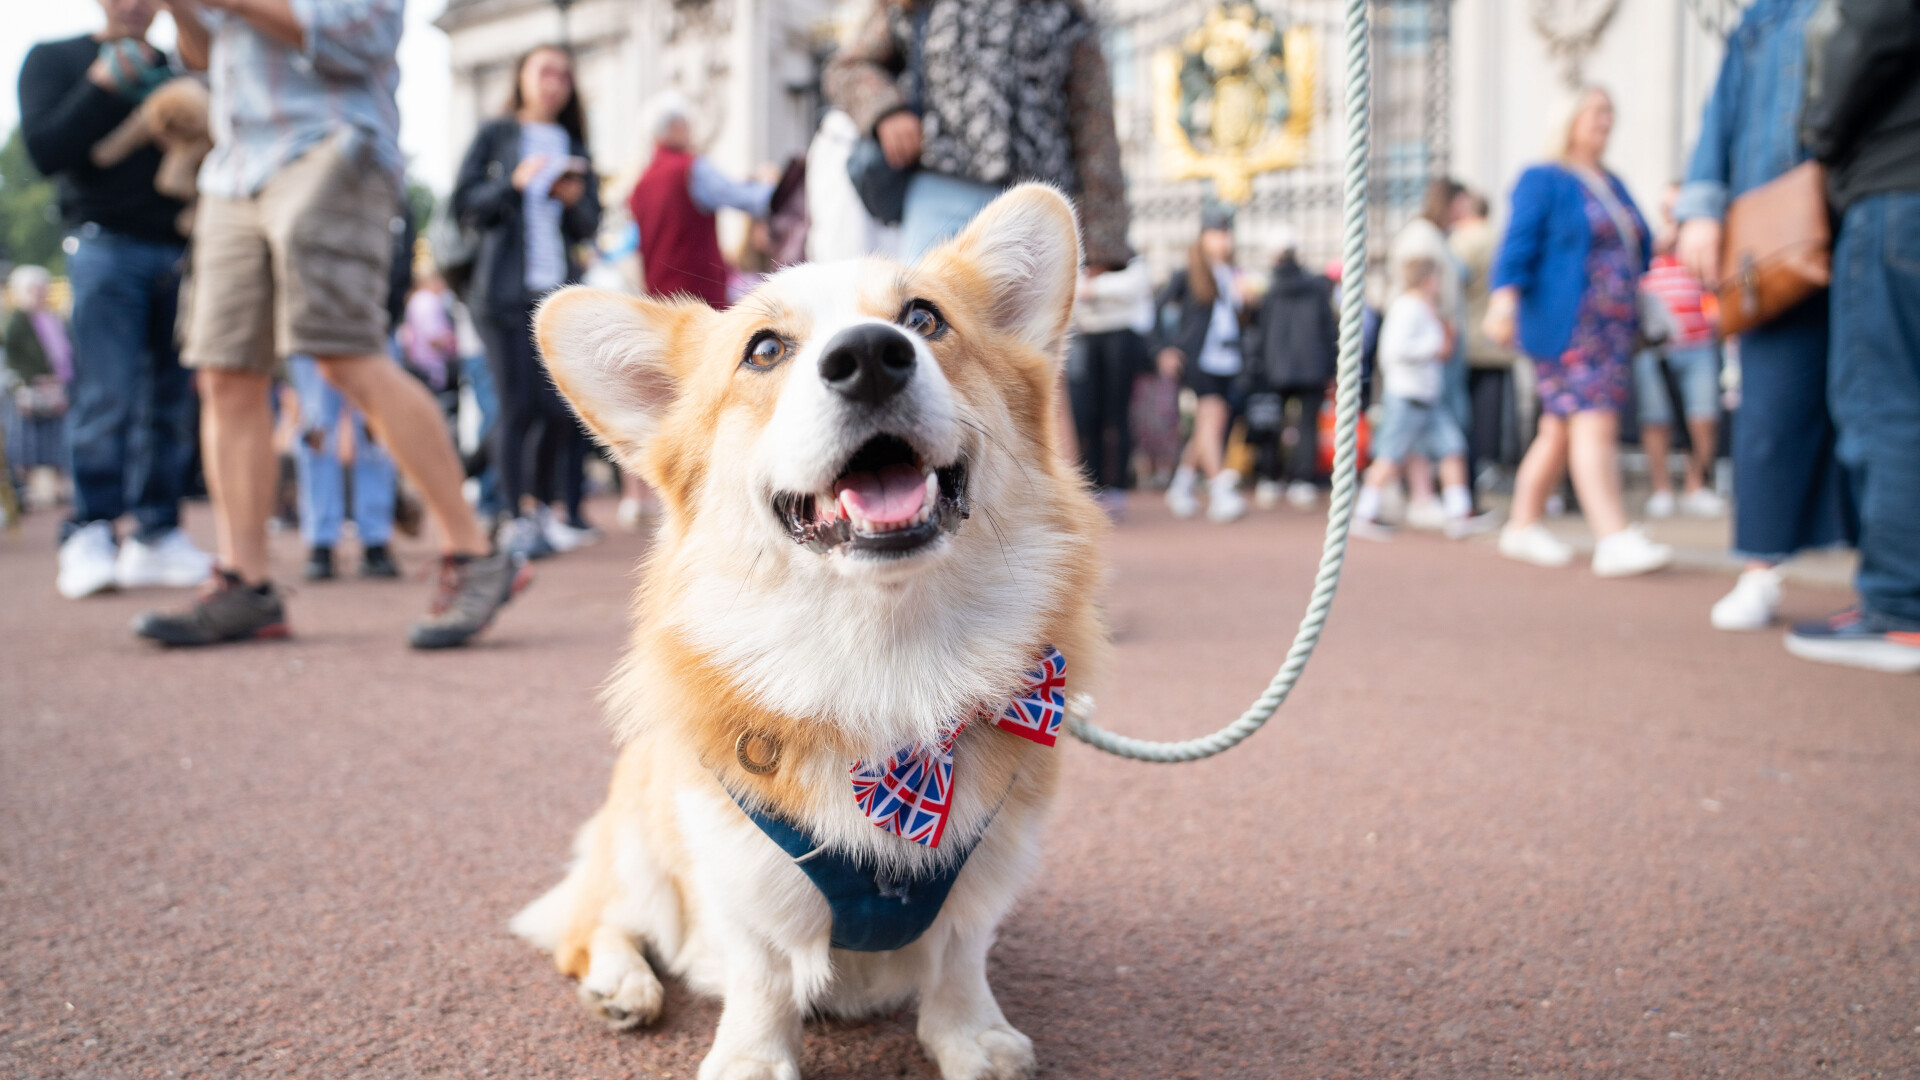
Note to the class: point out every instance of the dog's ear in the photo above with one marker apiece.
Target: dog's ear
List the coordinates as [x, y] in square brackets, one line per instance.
[610, 355]
[1025, 246]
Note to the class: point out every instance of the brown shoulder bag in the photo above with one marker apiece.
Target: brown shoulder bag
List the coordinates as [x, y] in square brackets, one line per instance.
[1777, 249]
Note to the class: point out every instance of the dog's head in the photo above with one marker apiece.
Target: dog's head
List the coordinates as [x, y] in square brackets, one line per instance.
[852, 458]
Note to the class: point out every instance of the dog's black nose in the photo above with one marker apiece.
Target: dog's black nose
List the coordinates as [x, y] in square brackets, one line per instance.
[868, 363]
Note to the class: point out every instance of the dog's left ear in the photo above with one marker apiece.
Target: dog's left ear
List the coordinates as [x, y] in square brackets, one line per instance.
[1026, 245]
[610, 355]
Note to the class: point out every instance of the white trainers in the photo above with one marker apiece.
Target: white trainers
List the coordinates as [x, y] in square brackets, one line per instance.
[1703, 503]
[1629, 552]
[1661, 504]
[86, 561]
[1534, 544]
[1427, 515]
[1224, 501]
[1752, 603]
[174, 561]
[561, 536]
[1459, 528]
[1266, 494]
[1302, 496]
[1183, 494]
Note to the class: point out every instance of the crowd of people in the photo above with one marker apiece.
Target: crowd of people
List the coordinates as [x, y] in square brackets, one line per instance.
[1530, 346]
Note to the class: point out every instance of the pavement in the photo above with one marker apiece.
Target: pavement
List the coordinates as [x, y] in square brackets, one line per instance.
[1514, 822]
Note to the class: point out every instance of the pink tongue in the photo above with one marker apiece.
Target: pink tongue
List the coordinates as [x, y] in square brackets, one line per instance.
[895, 493]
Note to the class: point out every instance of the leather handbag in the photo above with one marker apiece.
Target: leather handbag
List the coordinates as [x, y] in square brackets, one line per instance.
[1777, 248]
[881, 187]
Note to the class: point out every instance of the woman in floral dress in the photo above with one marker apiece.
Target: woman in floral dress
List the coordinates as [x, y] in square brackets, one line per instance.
[1564, 286]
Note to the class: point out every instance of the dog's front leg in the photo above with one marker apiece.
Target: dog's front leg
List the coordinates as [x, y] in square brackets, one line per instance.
[759, 1033]
[961, 1025]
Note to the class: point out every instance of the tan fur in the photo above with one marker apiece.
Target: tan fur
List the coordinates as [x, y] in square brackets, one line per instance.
[662, 384]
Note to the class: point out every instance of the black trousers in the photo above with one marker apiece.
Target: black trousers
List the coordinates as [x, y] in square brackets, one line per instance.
[1283, 426]
[538, 444]
[1100, 374]
[1493, 435]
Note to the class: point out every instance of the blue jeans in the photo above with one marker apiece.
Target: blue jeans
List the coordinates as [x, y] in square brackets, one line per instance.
[323, 499]
[938, 207]
[1789, 492]
[130, 424]
[1874, 391]
[479, 376]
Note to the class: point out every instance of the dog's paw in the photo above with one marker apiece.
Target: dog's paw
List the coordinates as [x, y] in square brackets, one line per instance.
[726, 1066]
[634, 1002]
[995, 1053]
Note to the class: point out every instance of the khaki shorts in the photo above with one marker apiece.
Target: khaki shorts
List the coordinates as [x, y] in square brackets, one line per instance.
[298, 268]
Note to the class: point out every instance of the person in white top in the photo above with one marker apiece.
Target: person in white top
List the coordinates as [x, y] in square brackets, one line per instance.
[1414, 344]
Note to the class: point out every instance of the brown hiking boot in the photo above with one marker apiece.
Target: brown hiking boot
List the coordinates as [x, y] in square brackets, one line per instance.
[470, 591]
[227, 609]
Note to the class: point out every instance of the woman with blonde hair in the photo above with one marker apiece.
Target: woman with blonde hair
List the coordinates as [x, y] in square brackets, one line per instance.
[1564, 285]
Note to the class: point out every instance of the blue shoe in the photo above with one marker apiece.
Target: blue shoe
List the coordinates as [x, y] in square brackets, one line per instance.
[1849, 638]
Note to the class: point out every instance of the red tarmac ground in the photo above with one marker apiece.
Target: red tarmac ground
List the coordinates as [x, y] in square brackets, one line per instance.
[1514, 822]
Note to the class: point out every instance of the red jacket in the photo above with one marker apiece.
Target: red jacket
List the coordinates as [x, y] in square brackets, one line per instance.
[678, 245]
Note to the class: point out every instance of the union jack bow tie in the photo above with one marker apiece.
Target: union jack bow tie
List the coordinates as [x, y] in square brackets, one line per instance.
[910, 793]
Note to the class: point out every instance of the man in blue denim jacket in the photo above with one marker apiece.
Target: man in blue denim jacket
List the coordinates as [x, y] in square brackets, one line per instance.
[1790, 494]
[1862, 119]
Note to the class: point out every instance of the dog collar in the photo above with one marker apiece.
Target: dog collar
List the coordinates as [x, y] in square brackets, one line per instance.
[910, 794]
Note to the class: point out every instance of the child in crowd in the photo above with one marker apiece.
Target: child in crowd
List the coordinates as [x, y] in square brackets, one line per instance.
[1414, 343]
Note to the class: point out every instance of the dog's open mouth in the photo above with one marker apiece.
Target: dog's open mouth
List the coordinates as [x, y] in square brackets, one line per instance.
[886, 501]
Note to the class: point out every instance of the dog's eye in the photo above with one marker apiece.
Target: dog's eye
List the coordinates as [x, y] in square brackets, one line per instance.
[923, 318]
[765, 350]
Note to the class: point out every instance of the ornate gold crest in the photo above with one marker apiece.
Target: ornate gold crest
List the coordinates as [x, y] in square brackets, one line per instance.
[1235, 99]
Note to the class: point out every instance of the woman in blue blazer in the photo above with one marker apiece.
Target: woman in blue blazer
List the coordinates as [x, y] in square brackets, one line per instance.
[1564, 287]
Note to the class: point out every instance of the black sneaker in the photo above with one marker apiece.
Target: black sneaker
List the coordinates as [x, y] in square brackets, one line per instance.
[470, 592]
[320, 563]
[227, 609]
[377, 562]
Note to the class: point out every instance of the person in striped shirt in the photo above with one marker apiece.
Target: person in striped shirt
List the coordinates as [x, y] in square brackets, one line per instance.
[1690, 354]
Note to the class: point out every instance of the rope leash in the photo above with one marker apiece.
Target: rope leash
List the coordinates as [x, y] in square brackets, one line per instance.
[1333, 551]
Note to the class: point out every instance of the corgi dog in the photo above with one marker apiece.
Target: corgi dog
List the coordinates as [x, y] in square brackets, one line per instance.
[872, 588]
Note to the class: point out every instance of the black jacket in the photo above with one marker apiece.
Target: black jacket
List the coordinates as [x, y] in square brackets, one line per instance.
[62, 114]
[1294, 340]
[485, 199]
[1862, 113]
[1180, 320]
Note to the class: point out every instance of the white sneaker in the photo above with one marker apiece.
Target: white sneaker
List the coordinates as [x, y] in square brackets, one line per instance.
[1266, 494]
[1427, 515]
[174, 561]
[1751, 604]
[1183, 497]
[86, 561]
[563, 537]
[1661, 504]
[1459, 528]
[1703, 503]
[1224, 501]
[629, 514]
[1302, 495]
[1629, 552]
[1534, 544]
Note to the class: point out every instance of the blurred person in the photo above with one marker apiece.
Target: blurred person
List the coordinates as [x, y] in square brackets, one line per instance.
[1154, 418]
[39, 353]
[1200, 312]
[327, 430]
[1490, 367]
[674, 205]
[1112, 314]
[1862, 119]
[1425, 238]
[429, 346]
[1415, 347]
[838, 225]
[1689, 353]
[527, 185]
[293, 240]
[1292, 348]
[1789, 492]
[476, 375]
[1003, 91]
[1564, 287]
[131, 408]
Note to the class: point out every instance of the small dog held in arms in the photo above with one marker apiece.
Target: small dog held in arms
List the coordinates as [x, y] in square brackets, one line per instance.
[870, 595]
